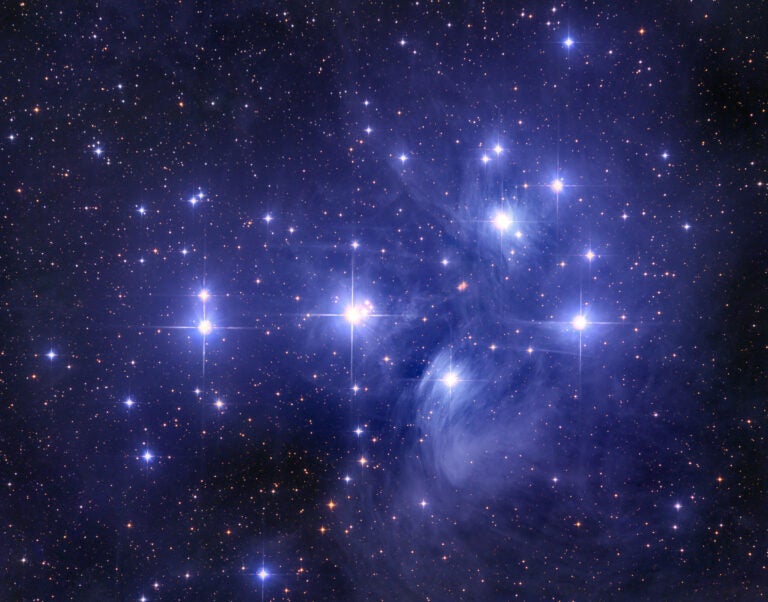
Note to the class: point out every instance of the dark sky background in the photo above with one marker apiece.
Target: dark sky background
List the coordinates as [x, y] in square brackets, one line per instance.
[485, 314]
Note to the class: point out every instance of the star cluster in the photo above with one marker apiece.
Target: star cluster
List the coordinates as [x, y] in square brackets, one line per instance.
[392, 301]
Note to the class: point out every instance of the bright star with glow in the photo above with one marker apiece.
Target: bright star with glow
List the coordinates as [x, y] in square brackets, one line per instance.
[354, 314]
[142, 210]
[568, 42]
[98, 151]
[686, 227]
[589, 255]
[498, 149]
[268, 218]
[51, 355]
[205, 327]
[368, 130]
[358, 431]
[557, 186]
[485, 159]
[665, 155]
[219, 404]
[204, 295]
[263, 574]
[129, 402]
[423, 503]
[451, 379]
[403, 158]
[579, 322]
[147, 455]
[502, 221]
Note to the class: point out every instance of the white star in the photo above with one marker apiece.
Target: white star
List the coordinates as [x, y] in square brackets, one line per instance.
[129, 402]
[502, 221]
[589, 255]
[450, 380]
[263, 574]
[204, 295]
[147, 455]
[485, 159]
[568, 42]
[556, 186]
[403, 158]
[51, 355]
[205, 327]
[498, 149]
[579, 322]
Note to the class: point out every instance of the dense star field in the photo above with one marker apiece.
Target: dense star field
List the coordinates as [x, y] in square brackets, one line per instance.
[422, 300]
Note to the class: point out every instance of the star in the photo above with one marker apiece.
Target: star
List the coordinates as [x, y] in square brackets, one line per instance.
[354, 314]
[142, 210]
[556, 186]
[498, 149]
[204, 295]
[51, 355]
[205, 327]
[98, 151]
[358, 431]
[568, 42]
[686, 227]
[423, 503]
[147, 455]
[450, 380]
[579, 322]
[403, 158]
[485, 159]
[263, 573]
[502, 221]
[589, 255]
[219, 404]
[268, 218]
[129, 402]
[368, 130]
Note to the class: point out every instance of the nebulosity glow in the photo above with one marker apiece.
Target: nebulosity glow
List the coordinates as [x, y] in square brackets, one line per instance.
[579, 322]
[205, 327]
[502, 221]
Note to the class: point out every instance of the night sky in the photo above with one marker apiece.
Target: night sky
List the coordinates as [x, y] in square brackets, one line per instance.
[422, 300]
